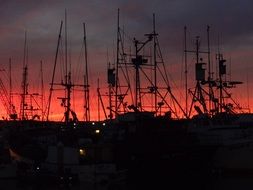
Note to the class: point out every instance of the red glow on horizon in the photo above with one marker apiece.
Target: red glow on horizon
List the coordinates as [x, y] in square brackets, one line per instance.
[57, 111]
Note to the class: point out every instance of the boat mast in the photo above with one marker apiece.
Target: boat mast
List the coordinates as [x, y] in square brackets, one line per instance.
[141, 65]
[219, 58]
[163, 92]
[111, 84]
[54, 69]
[186, 72]
[5, 99]
[10, 84]
[24, 81]
[122, 86]
[222, 71]
[138, 61]
[117, 66]
[137, 77]
[66, 49]
[100, 101]
[98, 94]
[247, 86]
[198, 94]
[210, 80]
[67, 84]
[223, 84]
[86, 81]
[42, 91]
[155, 62]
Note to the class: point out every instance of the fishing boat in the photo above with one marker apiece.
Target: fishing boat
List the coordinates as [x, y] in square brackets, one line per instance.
[220, 122]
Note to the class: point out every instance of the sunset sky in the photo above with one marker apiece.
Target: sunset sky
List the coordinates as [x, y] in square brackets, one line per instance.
[230, 23]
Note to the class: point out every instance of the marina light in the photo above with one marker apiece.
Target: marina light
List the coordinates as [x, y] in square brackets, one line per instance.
[103, 124]
[93, 123]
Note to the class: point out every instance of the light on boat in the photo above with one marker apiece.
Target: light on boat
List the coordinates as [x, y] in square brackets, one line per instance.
[93, 123]
[103, 124]
[82, 152]
[97, 131]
